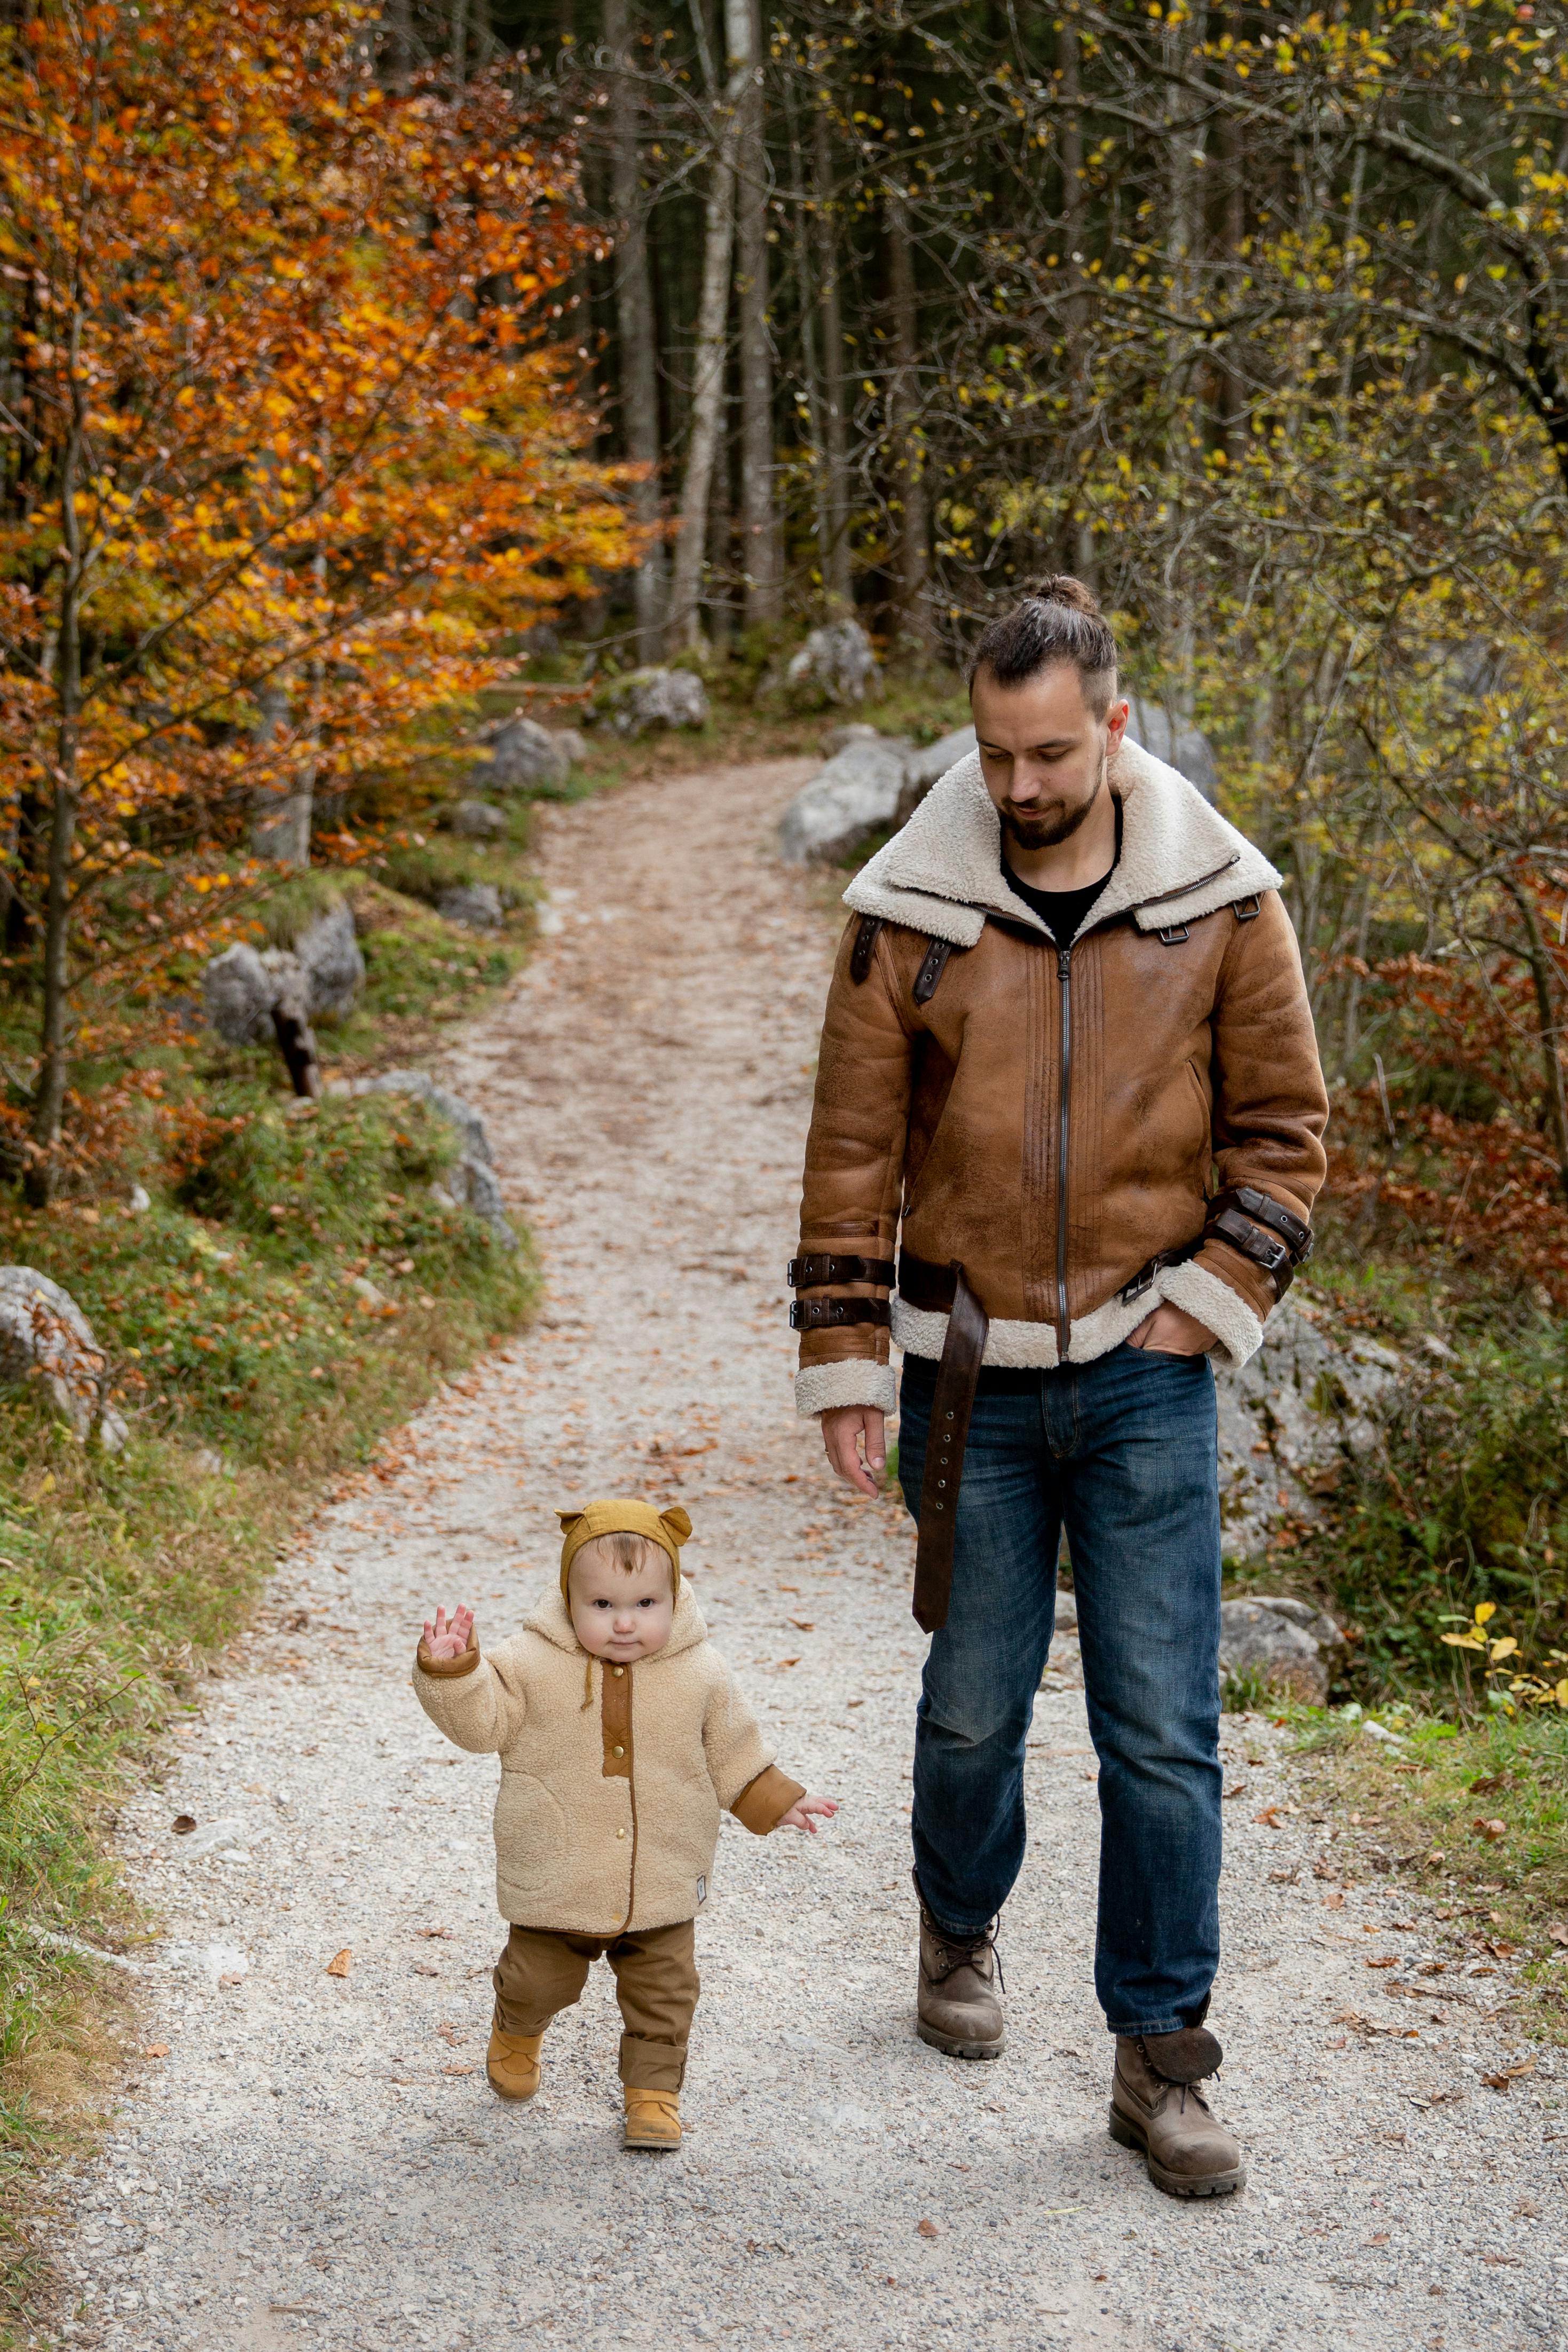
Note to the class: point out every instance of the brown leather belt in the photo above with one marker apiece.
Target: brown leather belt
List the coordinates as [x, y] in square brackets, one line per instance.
[942, 1289]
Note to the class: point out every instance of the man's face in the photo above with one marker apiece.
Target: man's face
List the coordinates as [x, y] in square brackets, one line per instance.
[1043, 752]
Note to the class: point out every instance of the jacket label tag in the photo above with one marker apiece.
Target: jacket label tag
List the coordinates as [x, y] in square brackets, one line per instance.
[702, 1890]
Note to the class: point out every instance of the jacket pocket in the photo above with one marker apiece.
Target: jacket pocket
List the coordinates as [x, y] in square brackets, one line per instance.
[1203, 1147]
[531, 1842]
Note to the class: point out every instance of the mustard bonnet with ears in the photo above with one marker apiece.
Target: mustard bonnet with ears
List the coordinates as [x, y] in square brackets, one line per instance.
[621, 1516]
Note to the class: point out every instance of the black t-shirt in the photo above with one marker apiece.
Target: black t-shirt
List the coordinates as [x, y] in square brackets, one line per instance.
[1063, 913]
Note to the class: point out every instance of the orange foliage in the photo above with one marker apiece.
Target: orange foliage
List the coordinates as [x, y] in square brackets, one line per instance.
[293, 447]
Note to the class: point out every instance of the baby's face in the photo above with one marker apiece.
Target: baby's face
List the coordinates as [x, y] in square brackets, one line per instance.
[620, 1613]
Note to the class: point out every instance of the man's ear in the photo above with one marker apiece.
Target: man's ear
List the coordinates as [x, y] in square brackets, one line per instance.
[676, 1522]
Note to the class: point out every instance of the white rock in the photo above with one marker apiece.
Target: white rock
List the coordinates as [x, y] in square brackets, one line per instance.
[838, 661]
[1290, 1418]
[328, 957]
[1266, 1638]
[140, 1199]
[521, 753]
[475, 905]
[238, 993]
[854, 797]
[853, 730]
[45, 1336]
[474, 820]
[1166, 736]
[646, 698]
[928, 765]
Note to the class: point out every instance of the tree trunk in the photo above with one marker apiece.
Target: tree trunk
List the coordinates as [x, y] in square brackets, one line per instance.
[836, 554]
[707, 379]
[759, 537]
[54, 1054]
[1080, 538]
[280, 828]
[1547, 1028]
[903, 418]
[636, 325]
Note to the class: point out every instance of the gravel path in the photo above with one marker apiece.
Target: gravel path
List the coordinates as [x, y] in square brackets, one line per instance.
[317, 2161]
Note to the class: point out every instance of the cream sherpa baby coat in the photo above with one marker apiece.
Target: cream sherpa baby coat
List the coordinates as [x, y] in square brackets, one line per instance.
[608, 1814]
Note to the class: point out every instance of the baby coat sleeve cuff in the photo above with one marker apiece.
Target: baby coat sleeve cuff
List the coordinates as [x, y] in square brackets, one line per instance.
[763, 1802]
[446, 1666]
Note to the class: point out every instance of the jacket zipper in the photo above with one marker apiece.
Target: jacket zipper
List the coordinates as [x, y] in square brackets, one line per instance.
[1063, 1140]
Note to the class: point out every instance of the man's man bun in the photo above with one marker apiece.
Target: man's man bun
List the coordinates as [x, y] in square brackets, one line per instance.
[1061, 588]
[1058, 620]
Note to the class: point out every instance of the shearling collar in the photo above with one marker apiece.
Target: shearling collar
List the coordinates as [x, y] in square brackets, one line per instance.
[552, 1618]
[943, 873]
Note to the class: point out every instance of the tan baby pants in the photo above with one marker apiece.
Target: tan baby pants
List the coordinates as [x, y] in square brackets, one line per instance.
[542, 1971]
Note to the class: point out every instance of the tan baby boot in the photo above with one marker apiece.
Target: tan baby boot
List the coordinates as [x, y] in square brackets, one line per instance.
[512, 2062]
[653, 2118]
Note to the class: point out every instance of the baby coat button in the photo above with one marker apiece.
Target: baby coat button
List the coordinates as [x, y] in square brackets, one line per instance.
[619, 1751]
[618, 1672]
[620, 1832]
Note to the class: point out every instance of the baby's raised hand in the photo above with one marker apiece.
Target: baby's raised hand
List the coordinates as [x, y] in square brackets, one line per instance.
[448, 1638]
[799, 1816]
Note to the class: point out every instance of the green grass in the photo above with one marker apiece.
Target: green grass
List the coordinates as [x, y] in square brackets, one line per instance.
[1473, 1811]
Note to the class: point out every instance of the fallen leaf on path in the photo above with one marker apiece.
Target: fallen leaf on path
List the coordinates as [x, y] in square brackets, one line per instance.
[1381, 2239]
[1238, 1790]
[1269, 1817]
[444, 1932]
[1488, 1780]
[1285, 1877]
[782, 1662]
[1334, 1902]
[927, 2228]
[424, 1968]
[457, 2070]
[1558, 1935]
[1501, 2261]
[1392, 1962]
[1507, 2075]
[338, 1965]
[803, 1624]
[1490, 1830]
[156, 2050]
[183, 1823]
[227, 1984]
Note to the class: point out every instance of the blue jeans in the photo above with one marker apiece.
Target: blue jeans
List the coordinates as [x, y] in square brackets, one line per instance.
[1121, 1452]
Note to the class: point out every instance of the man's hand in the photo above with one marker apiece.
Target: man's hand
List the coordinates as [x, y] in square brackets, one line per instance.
[799, 1816]
[1171, 1331]
[842, 1430]
[449, 1638]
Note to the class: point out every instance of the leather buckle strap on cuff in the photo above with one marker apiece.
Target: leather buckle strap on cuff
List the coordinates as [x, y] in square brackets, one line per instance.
[1145, 1277]
[832, 1314]
[952, 1402]
[816, 1272]
[1264, 1210]
[1252, 1242]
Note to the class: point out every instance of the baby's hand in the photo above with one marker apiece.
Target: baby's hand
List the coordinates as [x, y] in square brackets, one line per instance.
[449, 1639]
[799, 1816]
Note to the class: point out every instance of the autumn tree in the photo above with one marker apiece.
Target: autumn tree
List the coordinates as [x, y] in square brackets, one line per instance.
[290, 443]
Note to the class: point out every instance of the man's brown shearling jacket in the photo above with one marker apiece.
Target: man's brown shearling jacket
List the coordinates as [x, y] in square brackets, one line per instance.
[1052, 1120]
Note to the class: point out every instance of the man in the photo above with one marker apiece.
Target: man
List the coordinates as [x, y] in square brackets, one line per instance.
[1068, 997]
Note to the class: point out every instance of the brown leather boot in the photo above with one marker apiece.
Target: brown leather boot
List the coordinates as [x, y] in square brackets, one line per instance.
[959, 2008]
[1157, 2106]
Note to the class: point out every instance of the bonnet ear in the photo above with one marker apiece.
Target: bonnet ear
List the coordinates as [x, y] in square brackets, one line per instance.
[568, 1519]
[675, 1523]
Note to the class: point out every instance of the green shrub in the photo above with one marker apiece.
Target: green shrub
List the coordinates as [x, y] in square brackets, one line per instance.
[1465, 1499]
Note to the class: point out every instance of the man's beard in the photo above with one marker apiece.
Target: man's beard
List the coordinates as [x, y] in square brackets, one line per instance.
[1044, 826]
[1045, 822]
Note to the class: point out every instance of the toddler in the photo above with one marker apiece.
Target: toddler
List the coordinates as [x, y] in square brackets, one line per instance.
[620, 1735]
